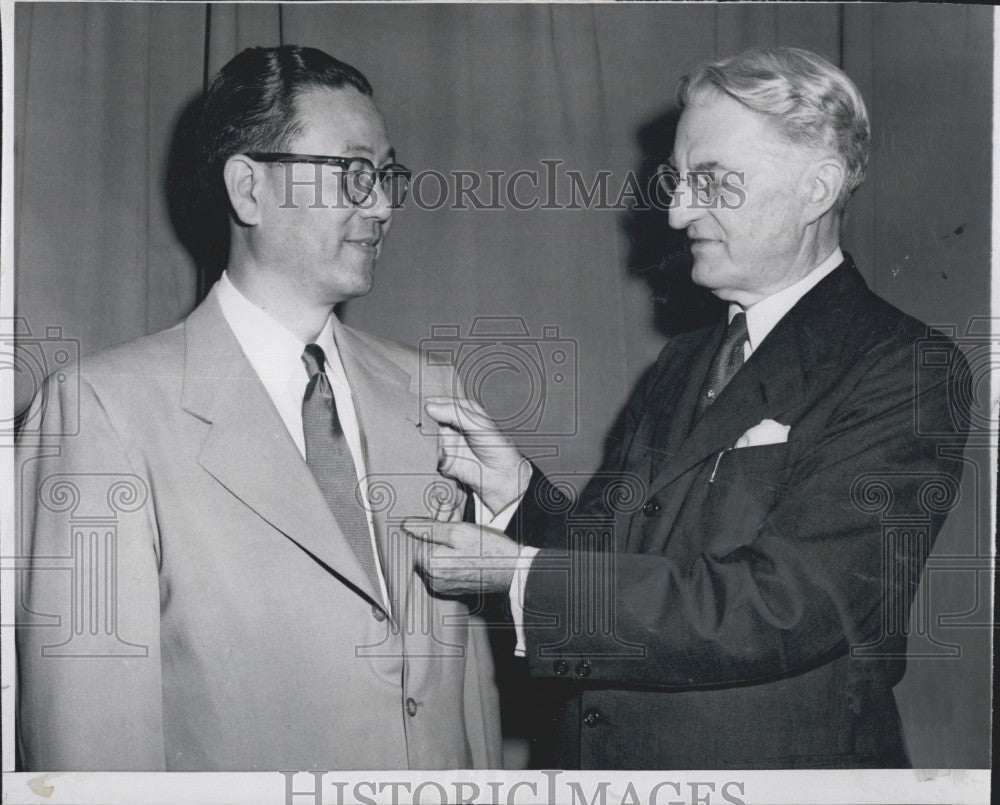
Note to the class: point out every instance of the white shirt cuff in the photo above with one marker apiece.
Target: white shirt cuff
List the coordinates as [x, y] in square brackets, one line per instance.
[498, 521]
[517, 585]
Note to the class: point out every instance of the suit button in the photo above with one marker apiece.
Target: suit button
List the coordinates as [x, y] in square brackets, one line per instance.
[378, 614]
[583, 669]
[591, 718]
[411, 707]
[651, 507]
[560, 667]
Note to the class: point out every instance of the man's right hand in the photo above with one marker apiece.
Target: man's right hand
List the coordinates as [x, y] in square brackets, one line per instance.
[475, 452]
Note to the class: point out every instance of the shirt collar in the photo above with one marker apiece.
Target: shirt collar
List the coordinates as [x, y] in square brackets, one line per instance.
[763, 316]
[274, 351]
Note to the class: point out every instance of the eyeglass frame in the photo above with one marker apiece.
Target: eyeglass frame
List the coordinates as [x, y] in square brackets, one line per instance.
[392, 169]
[706, 193]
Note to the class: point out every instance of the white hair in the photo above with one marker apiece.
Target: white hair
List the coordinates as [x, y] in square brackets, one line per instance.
[809, 101]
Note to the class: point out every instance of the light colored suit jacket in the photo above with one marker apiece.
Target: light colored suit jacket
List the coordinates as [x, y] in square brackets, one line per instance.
[192, 603]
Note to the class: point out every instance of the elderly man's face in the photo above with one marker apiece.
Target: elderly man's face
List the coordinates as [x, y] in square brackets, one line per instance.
[745, 245]
[325, 246]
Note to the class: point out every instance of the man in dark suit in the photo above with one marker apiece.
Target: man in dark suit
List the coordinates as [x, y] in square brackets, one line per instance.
[725, 594]
[233, 479]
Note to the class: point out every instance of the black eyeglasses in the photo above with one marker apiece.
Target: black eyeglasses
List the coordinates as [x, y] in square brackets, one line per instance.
[357, 175]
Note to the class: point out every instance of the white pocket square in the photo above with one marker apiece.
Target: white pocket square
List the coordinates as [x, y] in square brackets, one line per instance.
[767, 431]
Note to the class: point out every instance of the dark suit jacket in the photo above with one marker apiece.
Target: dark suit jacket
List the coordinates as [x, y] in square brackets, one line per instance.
[707, 607]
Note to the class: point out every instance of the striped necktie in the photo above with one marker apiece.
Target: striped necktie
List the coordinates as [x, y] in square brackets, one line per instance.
[726, 363]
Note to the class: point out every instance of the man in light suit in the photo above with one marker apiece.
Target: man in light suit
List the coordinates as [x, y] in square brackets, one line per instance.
[725, 593]
[207, 591]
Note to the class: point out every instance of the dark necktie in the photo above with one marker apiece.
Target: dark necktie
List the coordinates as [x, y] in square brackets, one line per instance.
[329, 459]
[726, 363]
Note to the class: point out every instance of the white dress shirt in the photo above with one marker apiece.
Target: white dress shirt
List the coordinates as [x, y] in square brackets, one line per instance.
[761, 319]
[765, 314]
[275, 353]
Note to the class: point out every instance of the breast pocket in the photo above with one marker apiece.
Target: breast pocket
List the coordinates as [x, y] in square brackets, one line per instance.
[744, 486]
[763, 459]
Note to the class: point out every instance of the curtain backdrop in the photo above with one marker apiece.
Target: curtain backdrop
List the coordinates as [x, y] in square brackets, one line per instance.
[570, 293]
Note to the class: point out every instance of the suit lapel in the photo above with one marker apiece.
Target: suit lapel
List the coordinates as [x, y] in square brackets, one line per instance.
[248, 448]
[388, 415]
[677, 395]
[666, 413]
[767, 385]
[775, 379]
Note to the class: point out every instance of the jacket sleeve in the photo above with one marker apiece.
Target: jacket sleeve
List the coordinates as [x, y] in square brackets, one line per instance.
[540, 519]
[88, 643]
[785, 577]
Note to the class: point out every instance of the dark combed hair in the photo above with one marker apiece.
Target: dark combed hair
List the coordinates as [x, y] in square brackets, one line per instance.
[250, 105]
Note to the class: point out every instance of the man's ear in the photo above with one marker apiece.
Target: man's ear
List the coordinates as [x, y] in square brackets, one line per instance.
[244, 180]
[825, 180]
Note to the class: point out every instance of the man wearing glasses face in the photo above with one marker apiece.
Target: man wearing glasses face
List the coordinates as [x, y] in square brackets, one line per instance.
[260, 616]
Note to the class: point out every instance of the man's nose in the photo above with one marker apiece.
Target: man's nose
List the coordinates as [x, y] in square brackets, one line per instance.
[684, 211]
[378, 205]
